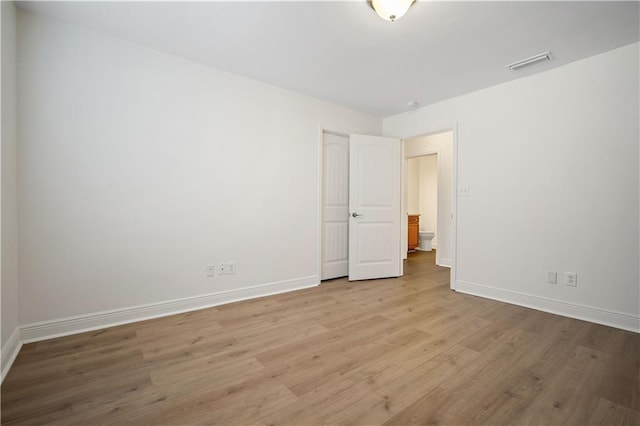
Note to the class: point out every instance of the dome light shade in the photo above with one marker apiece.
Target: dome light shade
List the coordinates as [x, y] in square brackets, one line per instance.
[391, 10]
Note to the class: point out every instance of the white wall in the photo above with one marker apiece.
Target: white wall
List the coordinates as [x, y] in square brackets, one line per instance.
[137, 169]
[429, 195]
[442, 145]
[8, 151]
[413, 186]
[552, 165]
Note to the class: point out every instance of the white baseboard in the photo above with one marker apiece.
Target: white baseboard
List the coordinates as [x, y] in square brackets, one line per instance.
[79, 324]
[567, 309]
[9, 352]
[445, 261]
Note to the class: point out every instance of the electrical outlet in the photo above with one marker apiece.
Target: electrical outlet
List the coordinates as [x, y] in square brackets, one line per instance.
[231, 268]
[221, 269]
[211, 271]
[571, 279]
[552, 278]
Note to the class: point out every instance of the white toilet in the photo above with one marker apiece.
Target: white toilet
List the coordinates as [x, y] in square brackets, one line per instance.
[425, 240]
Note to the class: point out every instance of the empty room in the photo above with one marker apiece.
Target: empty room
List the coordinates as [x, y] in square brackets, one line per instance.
[320, 212]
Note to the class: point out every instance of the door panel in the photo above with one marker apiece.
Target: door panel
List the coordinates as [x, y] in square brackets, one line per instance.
[335, 206]
[373, 160]
[374, 204]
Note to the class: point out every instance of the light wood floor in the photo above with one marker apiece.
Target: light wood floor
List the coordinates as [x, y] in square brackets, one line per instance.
[396, 351]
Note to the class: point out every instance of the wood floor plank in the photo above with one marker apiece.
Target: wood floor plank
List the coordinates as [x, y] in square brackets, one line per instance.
[236, 404]
[604, 412]
[202, 373]
[569, 392]
[394, 388]
[303, 380]
[396, 351]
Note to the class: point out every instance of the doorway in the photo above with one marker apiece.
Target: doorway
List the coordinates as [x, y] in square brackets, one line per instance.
[411, 147]
[334, 228]
[422, 202]
[360, 206]
[442, 146]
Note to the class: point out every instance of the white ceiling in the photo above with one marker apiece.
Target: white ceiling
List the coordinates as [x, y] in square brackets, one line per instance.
[343, 53]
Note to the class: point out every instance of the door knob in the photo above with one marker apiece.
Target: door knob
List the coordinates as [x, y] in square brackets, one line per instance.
[354, 214]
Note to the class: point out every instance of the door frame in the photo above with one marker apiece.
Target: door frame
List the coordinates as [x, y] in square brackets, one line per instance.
[433, 130]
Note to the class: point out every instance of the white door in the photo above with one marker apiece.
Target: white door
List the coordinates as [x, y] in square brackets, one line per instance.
[335, 206]
[374, 207]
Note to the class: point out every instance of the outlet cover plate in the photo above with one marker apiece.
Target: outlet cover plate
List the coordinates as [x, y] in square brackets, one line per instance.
[221, 269]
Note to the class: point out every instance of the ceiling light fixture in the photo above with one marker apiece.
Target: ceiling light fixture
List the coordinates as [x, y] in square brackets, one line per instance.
[544, 56]
[391, 10]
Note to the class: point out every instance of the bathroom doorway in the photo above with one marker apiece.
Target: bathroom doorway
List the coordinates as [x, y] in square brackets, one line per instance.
[428, 191]
[422, 202]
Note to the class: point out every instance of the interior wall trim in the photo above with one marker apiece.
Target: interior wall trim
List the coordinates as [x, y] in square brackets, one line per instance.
[78, 324]
[446, 262]
[610, 318]
[9, 352]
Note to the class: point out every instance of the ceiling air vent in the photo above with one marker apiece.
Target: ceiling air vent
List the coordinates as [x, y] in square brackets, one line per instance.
[544, 56]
